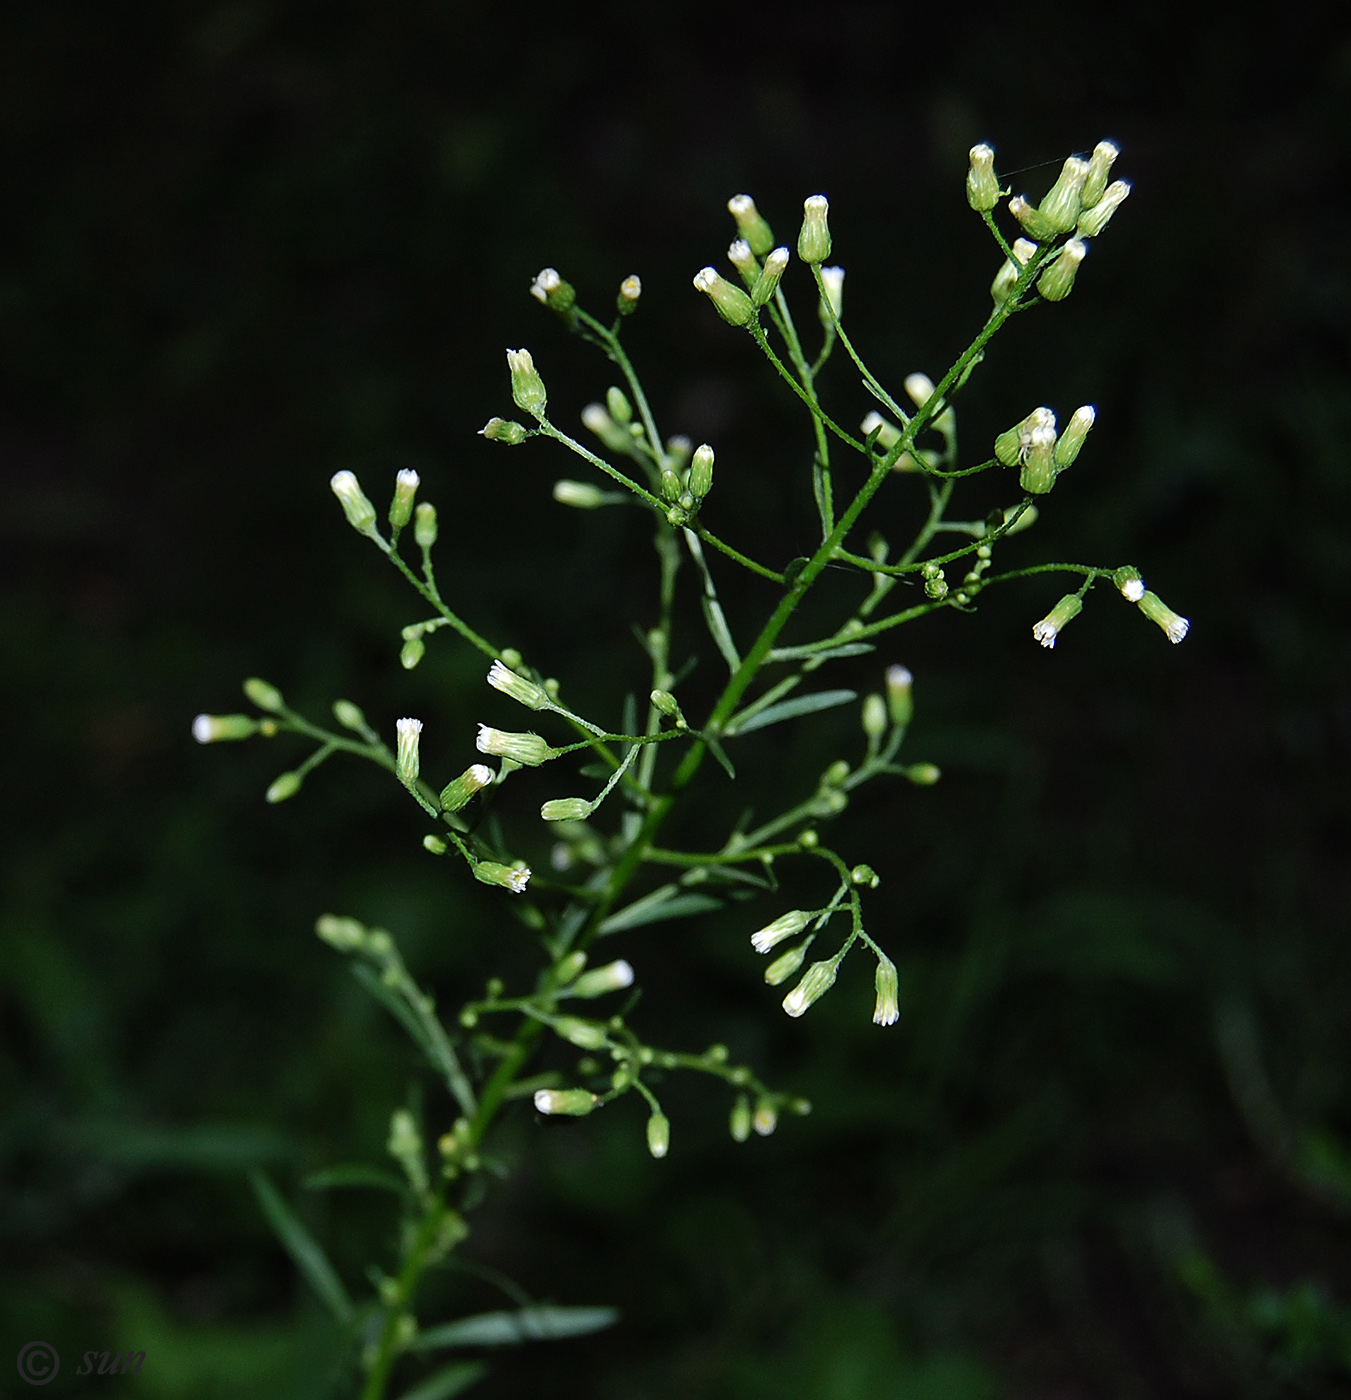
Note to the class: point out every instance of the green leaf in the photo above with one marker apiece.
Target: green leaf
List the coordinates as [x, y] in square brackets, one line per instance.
[449, 1380]
[354, 1174]
[394, 1004]
[663, 903]
[791, 709]
[536, 1324]
[716, 749]
[309, 1258]
[721, 633]
[813, 652]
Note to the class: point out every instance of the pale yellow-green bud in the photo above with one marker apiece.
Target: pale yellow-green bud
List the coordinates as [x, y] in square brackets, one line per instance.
[740, 1120]
[1062, 202]
[580, 494]
[349, 715]
[887, 1010]
[863, 874]
[732, 304]
[586, 1035]
[1039, 471]
[658, 1135]
[401, 507]
[900, 704]
[819, 979]
[786, 964]
[753, 228]
[630, 289]
[566, 809]
[1007, 276]
[575, 1103]
[766, 1117]
[1066, 610]
[525, 748]
[266, 697]
[345, 935]
[435, 845]
[613, 977]
[770, 275]
[1072, 439]
[813, 240]
[406, 762]
[1157, 611]
[507, 876]
[287, 785]
[1032, 219]
[212, 729]
[701, 472]
[424, 525]
[1012, 447]
[888, 434]
[1099, 168]
[359, 511]
[527, 388]
[924, 774]
[830, 308]
[458, 792]
[787, 925]
[520, 688]
[412, 651]
[1057, 281]
[503, 430]
[874, 716]
[1093, 221]
[982, 188]
[740, 256]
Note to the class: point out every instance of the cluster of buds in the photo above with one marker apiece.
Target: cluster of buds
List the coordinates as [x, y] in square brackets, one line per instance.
[1033, 446]
[1133, 590]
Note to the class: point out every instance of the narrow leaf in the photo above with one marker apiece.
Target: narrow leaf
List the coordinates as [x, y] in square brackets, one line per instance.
[449, 1380]
[812, 651]
[721, 633]
[354, 1174]
[309, 1258]
[395, 1005]
[664, 903]
[798, 705]
[716, 749]
[535, 1324]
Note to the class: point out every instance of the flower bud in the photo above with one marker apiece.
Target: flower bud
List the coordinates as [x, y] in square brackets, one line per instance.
[522, 690]
[566, 809]
[287, 785]
[435, 845]
[1032, 219]
[412, 651]
[754, 229]
[740, 1119]
[1038, 473]
[491, 873]
[732, 304]
[458, 792]
[701, 472]
[345, 935]
[581, 494]
[575, 1103]
[1093, 221]
[558, 295]
[424, 525]
[786, 964]
[401, 507]
[630, 289]
[212, 729]
[406, 763]
[831, 306]
[613, 977]
[865, 875]
[888, 434]
[1099, 168]
[504, 430]
[1061, 205]
[526, 748]
[887, 1010]
[813, 240]
[359, 511]
[1058, 279]
[658, 1135]
[740, 256]
[924, 774]
[1007, 276]
[1068, 608]
[787, 925]
[768, 281]
[586, 1035]
[900, 705]
[527, 388]
[874, 716]
[819, 979]
[982, 188]
[1072, 439]
[349, 715]
[1156, 610]
[766, 1117]
[1012, 447]
[1128, 580]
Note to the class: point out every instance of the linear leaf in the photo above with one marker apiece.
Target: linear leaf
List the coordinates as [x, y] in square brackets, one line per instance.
[829, 654]
[722, 634]
[798, 705]
[536, 1324]
[661, 904]
[309, 1258]
[395, 1005]
[449, 1380]
[716, 749]
[354, 1174]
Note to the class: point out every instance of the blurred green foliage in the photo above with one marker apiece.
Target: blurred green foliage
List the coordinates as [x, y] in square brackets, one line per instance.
[244, 245]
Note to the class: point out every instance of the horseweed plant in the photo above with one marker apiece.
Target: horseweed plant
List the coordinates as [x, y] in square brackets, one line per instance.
[595, 868]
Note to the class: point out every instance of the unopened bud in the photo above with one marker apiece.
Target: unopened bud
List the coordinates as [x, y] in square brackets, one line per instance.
[732, 304]
[435, 845]
[613, 977]
[658, 1135]
[740, 256]
[874, 716]
[401, 507]
[406, 761]
[586, 1035]
[1072, 439]
[753, 228]
[982, 188]
[1157, 611]
[1032, 219]
[343, 934]
[1099, 168]
[527, 388]
[630, 289]
[1039, 471]
[813, 240]
[1093, 221]
[920, 388]
[865, 875]
[766, 1117]
[525, 748]
[830, 308]
[566, 809]
[786, 964]
[1066, 610]
[458, 792]
[412, 652]
[1007, 277]
[574, 1103]
[504, 430]
[900, 703]
[819, 979]
[507, 876]
[424, 525]
[701, 472]
[1061, 205]
[888, 434]
[581, 494]
[768, 281]
[212, 729]
[349, 715]
[740, 1120]
[787, 925]
[1057, 281]
[359, 511]
[924, 774]
[287, 785]
[887, 1010]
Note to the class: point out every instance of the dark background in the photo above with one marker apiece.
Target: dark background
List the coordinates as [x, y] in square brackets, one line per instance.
[1104, 1153]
